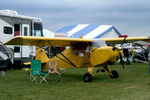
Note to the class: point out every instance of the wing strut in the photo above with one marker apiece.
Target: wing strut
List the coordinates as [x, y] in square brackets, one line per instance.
[68, 61]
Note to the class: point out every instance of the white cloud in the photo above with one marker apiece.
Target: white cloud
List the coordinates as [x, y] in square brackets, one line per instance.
[129, 16]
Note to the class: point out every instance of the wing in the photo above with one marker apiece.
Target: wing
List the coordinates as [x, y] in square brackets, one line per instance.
[44, 41]
[128, 40]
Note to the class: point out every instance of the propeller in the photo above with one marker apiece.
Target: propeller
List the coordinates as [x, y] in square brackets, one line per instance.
[121, 58]
[124, 40]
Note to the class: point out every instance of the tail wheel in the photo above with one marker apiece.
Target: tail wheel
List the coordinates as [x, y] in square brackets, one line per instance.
[87, 77]
[114, 74]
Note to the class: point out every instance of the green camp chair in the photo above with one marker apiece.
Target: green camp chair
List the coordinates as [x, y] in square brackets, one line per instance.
[36, 73]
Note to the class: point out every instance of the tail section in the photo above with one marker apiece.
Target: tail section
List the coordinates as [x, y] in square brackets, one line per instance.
[41, 55]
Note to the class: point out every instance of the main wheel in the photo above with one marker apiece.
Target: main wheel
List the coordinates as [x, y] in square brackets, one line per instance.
[115, 74]
[87, 77]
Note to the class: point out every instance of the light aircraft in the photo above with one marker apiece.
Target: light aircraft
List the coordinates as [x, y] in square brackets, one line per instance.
[82, 53]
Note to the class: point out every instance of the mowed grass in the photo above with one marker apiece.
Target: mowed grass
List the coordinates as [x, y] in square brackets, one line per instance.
[133, 84]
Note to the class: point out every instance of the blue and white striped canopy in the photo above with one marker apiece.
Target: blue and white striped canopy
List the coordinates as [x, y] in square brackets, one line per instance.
[90, 31]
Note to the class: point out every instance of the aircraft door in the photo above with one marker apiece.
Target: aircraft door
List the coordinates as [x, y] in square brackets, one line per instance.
[25, 32]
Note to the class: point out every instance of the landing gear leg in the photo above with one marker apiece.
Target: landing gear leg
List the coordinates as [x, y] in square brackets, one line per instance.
[90, 70]
[107, 69]
[113, 73]
[88, 76]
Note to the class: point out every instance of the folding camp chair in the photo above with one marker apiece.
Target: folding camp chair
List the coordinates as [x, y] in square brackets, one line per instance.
[36, 73]
[53, 71]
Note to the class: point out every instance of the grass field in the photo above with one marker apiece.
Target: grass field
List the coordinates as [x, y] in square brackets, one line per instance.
[133, 84]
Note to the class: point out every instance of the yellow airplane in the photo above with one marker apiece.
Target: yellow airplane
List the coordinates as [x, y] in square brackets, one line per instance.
[82, 53]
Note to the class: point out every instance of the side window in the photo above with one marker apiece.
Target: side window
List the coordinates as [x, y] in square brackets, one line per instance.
[7, 30]
[38, 29]
[16, 49]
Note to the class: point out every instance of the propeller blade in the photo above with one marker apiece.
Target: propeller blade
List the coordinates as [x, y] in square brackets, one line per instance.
[121, 60]
[123, 41]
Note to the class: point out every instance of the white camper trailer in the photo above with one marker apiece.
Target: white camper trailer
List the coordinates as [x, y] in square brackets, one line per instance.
[13, 24]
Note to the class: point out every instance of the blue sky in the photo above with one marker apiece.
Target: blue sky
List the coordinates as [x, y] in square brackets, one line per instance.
[128, 16]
